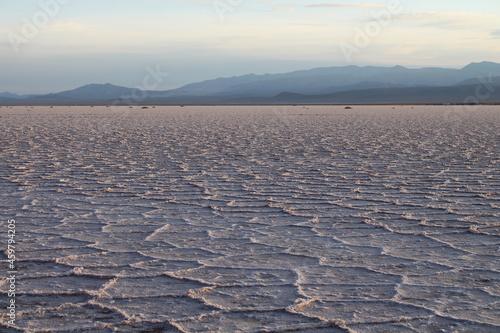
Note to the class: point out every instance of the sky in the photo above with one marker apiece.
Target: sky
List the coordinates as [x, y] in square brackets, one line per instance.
[55, 45]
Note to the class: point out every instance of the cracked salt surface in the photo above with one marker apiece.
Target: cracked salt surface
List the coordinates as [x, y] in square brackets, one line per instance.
[245, 219]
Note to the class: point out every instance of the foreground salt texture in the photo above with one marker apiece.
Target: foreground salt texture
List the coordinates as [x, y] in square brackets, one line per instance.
[253, 219]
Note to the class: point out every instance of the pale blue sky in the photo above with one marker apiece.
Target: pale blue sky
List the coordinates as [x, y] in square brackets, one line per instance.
[77, 42]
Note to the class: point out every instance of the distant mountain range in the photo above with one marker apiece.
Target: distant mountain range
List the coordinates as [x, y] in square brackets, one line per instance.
[15, 96]
[476, 82]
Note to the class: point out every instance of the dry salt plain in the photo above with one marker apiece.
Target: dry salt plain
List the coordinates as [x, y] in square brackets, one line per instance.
[252, 219]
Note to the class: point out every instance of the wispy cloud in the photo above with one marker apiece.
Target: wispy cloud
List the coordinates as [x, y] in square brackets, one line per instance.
[449, 20]
[344, 5]
[495, 34]
[67, 26]
[284, 9]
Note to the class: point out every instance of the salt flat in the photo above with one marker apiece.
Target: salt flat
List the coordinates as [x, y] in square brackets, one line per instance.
[253, 219]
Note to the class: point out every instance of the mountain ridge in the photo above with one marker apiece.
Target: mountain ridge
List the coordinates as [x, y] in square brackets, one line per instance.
[317, 83]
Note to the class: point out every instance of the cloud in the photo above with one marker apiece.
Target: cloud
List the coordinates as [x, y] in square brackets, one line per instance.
[67, 26]
[345, 5]
[449, 20]
[495, 34]
[285, 9]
